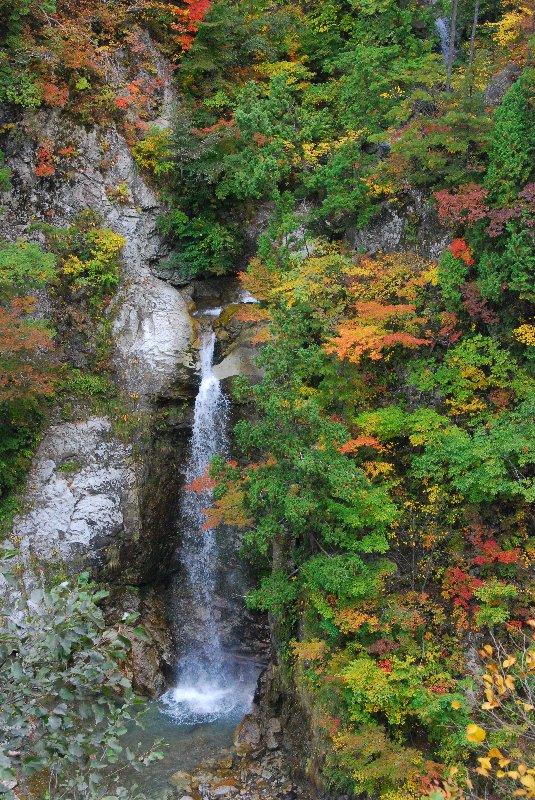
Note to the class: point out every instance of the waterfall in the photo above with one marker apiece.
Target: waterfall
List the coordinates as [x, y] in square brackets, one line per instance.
[199, 546]
[207, 686]
[442, 25]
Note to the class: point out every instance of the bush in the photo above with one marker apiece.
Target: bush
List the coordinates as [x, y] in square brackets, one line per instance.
[24, 267]
[65, 701]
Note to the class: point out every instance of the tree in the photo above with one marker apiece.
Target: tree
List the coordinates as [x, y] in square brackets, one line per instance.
[512, 150]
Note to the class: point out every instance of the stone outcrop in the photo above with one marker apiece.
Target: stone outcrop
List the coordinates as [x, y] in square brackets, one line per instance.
[81, 494]
[500, 83]
[285, 723]
[151, 655]
[152, 336]
[393, 229]
[94, 499]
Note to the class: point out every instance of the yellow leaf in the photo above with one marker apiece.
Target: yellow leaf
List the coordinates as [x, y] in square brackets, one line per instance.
[485, 763]
[494, 753]
[509, 662]
[488, 649]
[475, 734]
[528, 780]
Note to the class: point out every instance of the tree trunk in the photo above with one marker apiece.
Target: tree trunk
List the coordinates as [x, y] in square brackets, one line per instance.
[473, 35]
[532, 33]
[451, 49]
[472, 47]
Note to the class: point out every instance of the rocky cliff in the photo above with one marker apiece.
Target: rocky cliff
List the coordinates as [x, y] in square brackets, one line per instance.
[95, 496]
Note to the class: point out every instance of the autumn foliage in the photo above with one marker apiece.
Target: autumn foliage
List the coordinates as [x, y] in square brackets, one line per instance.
[22, 342]
[383, 480]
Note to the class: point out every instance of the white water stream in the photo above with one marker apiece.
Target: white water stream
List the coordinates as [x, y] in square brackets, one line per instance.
[208, 687]
[442, 25]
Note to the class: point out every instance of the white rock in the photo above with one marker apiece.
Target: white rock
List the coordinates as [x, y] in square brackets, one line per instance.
[153, 333]
[223, 791]
[72, 515]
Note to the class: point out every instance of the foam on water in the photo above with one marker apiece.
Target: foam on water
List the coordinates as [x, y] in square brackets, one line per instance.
[206, 702]
[208, 312]
[246, 297]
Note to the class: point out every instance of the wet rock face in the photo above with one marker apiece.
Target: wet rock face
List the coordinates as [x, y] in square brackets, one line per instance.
[282, 725]
[238, 351]
[241, 632]
[149, 662]
[248, 736]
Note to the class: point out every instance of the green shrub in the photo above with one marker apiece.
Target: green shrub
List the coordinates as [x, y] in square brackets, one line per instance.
[65, 702]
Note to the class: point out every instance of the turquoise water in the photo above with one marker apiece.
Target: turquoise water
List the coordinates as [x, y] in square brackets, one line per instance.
[187, 746]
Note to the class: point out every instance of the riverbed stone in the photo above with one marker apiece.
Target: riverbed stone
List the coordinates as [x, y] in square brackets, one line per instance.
[223, 791]
[181, 780]
[226, 763]
[257, 776]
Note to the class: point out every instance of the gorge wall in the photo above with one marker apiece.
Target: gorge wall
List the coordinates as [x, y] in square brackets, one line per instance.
[96, 496]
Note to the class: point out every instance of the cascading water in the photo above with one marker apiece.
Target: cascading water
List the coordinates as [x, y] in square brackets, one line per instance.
[208, 685]
[442, 25]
